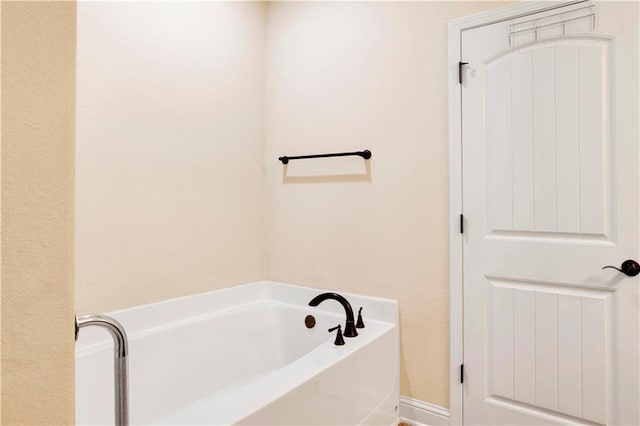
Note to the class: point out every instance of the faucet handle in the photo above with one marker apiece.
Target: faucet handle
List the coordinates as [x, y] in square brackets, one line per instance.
[339, 340]
[360, 323]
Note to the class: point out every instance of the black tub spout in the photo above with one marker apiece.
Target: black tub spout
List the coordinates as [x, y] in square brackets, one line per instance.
[350, 326]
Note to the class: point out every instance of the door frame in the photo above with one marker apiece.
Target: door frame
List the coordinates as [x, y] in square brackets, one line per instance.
[456, 238]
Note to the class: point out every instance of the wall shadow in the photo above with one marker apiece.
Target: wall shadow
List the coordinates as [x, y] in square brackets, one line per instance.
[365, 176]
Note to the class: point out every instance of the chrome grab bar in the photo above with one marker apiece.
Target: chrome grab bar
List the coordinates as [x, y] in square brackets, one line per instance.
[119, 361]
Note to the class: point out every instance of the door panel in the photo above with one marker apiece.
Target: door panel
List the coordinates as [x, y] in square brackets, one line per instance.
[550, 195]
[547, 104]
[547, 344]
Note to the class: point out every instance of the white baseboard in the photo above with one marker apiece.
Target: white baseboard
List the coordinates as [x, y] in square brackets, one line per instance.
[420, 413]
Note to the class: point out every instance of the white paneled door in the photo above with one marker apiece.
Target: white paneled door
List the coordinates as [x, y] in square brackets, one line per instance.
[550, 196]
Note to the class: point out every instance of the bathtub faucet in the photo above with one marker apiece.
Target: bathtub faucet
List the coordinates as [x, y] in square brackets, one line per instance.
[350, 326]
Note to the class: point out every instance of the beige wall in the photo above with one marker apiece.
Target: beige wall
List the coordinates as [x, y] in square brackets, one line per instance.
[350, 76]
[170, 182]
[38, 95]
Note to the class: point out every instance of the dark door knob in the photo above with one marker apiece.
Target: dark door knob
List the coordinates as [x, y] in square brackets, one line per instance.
[630, 268]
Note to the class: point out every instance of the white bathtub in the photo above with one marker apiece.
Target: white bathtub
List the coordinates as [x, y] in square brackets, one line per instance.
[244, 356]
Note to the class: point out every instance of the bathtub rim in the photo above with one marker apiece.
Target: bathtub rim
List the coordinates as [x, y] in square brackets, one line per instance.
[155, 315]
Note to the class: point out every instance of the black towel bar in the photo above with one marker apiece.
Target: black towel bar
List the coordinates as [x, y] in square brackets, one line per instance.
[366, 154]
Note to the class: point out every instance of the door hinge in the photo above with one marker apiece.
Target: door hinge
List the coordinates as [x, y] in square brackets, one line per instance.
[461, 373]
[461, 223]
[460, 65]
